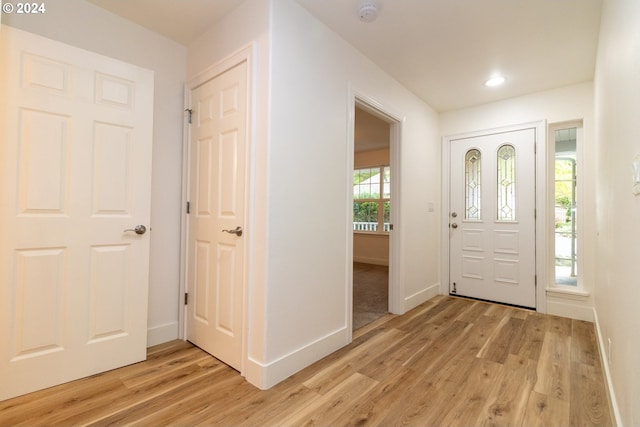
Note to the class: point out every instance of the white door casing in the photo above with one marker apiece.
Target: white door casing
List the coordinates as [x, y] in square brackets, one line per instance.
[215, 259]
[489, 258]
[75, 172]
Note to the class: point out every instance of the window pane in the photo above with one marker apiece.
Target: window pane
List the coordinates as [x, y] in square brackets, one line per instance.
[371, 186]
[366, 183]
[365, 216]
[387, 215]
[386, 189]
[472, 169]
[566, 236]
[506, 183]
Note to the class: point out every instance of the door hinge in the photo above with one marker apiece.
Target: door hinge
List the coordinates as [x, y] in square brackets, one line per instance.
[190, 111]
[186, 298]
[188, 207]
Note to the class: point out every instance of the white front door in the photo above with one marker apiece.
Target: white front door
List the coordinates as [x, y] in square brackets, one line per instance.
[492, 217]
[217, 212]
[75, 173]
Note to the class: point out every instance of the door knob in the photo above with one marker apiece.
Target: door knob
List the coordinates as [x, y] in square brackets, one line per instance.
[237, 231]
[140, 229]
[454, 225]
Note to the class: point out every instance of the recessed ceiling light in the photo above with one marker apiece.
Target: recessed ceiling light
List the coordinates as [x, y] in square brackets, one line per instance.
[495, 81]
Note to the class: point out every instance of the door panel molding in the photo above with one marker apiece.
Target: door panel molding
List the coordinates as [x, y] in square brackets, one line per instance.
[246, 56]
[540, 205]
[75, 171]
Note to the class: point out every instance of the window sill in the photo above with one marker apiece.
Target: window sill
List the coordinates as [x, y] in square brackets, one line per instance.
[568, 293]
[371, 233]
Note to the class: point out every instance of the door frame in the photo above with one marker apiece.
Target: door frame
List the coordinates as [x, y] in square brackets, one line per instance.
[396, 123]
[245, 54]
[542, 243]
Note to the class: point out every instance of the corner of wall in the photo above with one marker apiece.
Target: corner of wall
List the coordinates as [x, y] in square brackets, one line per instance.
[569, 304]
[604, 360]
[412, 301]
[161, 334]
[266, 375]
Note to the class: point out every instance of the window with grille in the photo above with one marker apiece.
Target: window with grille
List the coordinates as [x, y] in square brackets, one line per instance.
[372, 199]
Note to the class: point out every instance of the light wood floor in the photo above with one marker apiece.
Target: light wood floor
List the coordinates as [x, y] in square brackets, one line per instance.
[448, 362]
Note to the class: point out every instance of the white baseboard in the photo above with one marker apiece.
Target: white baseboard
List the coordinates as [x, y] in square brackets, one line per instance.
[571, 310]
[266, 375]
[161, 334]
[604, 359]
[421, 296]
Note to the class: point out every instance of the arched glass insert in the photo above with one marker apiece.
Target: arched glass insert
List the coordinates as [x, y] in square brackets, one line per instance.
[472, 184]
[506, 183]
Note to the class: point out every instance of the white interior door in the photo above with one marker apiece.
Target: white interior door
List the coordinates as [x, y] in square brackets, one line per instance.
[216, 219]
[492, 217]
[75, 171]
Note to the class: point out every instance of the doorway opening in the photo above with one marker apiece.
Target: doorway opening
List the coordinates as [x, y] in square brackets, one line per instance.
[372, 199]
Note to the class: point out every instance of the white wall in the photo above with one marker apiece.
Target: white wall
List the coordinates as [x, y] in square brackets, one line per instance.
[297, 284]
[560, 105]
[89, 27]
[617, 88]
[308, 182]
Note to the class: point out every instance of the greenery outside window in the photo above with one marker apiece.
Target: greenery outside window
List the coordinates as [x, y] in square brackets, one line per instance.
[566, 206]
[372, 199]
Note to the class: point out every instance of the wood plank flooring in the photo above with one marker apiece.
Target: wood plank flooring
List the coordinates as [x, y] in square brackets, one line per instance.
[449, 362]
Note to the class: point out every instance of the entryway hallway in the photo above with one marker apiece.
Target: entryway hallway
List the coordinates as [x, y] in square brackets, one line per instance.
[449, 361]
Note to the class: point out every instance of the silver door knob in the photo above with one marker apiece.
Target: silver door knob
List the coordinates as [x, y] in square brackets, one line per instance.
[237, 231]
[454, 225]
[140, 229]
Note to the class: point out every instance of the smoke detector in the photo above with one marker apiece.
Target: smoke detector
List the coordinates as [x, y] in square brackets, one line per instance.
[368, 11]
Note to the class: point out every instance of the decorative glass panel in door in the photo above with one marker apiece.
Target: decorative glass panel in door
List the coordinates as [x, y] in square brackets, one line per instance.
[506, 208]
[472, 174]
[491, 255]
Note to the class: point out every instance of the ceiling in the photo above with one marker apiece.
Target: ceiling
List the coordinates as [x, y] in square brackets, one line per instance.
[442, 50]
[179, 20]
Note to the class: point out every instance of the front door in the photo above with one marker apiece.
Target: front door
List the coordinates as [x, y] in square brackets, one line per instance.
[492, 217]
[75, 175]
[216, 220]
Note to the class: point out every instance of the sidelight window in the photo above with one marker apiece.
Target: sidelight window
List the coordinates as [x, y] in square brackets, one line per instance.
[565, 206]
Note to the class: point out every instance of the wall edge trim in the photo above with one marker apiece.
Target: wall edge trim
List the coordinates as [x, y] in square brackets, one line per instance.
[613, 403]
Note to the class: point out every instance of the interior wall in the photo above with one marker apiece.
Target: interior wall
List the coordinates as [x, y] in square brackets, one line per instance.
[371, 248]
[568, 103]
[313, 71]
[617, 106]
[89, 27]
